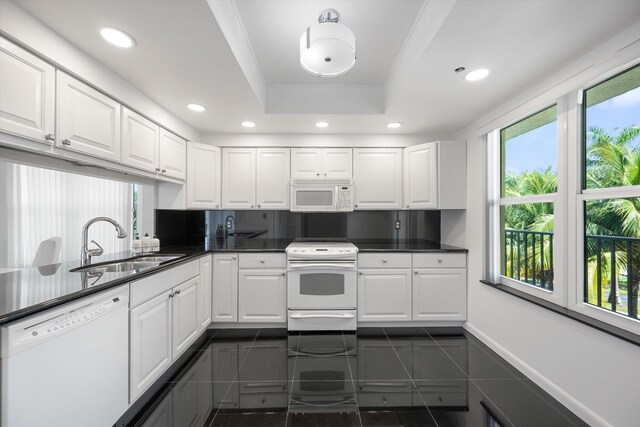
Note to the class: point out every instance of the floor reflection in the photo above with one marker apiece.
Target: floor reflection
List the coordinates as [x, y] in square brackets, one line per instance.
[340, 379]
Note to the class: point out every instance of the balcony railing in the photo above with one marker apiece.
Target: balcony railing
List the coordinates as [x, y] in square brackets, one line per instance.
[612, 267]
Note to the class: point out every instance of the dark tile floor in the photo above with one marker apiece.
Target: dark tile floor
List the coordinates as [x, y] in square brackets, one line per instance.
[377, 377]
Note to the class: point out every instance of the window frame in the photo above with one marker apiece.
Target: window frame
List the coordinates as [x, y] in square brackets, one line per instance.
[568, 202]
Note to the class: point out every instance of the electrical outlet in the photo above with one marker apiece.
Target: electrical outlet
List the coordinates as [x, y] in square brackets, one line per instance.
[397, 224]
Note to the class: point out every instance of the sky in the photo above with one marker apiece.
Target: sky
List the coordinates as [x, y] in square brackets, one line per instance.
[537, 149]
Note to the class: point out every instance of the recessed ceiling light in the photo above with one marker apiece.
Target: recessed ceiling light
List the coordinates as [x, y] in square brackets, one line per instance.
[322, 124]
[477, 75]
[394, 125]
[248, 124]
[117, 37]
[196, 107]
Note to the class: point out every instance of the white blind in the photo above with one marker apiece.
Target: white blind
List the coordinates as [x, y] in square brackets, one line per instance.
[39, 203]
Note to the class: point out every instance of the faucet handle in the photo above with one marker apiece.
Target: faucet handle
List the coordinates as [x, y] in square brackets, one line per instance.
[96, 252]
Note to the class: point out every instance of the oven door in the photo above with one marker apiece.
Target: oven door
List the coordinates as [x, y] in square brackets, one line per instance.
[317, 285]
[313, 199]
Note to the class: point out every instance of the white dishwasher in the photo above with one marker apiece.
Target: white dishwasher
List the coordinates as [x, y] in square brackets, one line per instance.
[67, 366]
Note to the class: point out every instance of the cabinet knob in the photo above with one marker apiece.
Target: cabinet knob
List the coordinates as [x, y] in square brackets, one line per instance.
[164, 171]
[178, 291]
[318, 174]
[415, 271]
[171, 295]
[157, 169]
[360, 273]
[325, 174]
[282, 274]
[217, 205]
[49, 137]
[233, 257]
[355, 206]
[384, 261]
[407, 206]
[258, 205]
[66, 142]
[262, 261]
[440, 261]
[251, 206]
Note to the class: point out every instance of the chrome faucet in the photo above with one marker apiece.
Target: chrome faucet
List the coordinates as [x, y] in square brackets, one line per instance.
[87, 253]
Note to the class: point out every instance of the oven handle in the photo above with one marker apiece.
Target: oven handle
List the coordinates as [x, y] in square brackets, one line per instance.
[323, 266]
[345, 400]
[318, 355]
[321, 316]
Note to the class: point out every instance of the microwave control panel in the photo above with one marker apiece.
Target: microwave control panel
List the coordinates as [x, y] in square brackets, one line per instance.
[345, 199]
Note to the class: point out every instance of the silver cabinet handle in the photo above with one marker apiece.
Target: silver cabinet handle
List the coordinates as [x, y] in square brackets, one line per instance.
[360, 273]
[164, 171]
[356, 205]
[251, 206]
[177, 291]
[233, 257]
[282, 274]
[66, 142]
[217, 205]
[384, 261]
[258, 205]
[440, 261]
[262, 261]
[407, 206]
[415, 271]
[49, 137]
[318, 174]
[171, 295]
[157, 169]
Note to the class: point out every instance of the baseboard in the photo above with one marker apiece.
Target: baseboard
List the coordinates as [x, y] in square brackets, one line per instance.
[586, 414]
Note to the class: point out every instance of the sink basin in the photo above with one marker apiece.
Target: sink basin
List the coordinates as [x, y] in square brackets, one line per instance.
[133, 264]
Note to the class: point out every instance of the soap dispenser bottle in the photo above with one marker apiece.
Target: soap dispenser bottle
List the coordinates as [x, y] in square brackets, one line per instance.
[136, 246]
[155, 243]
[146, 243]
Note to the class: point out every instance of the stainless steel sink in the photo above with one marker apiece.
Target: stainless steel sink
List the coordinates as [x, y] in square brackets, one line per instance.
[132, 264]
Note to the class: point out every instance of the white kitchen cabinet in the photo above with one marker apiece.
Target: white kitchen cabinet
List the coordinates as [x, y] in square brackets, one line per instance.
[384, 295]
[186, 325]
[435, 175]
[272, 178]
[87, 121]
[204, 293]
[439, 293]
[421, 176]
[321, 162]
[204, 176]
[262, 296]
[225, 288]
[173, 155]
[238, 178]
[150, 343]
[140, 141]
[377, 178]
[27, 94]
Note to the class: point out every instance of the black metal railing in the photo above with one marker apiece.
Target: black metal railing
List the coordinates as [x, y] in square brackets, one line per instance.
[612, 273]
[612, 267]
[528, 257]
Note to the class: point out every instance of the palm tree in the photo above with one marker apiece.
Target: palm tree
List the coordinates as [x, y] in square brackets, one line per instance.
[615, 162]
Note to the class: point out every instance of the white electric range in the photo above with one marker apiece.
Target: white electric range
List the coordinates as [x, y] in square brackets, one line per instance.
[322, 285]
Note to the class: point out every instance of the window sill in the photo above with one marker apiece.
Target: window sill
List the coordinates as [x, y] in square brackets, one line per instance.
[563, 311]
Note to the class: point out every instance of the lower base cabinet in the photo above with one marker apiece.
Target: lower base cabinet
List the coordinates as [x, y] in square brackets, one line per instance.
[262, 296]
[384, 295]
[440, 294]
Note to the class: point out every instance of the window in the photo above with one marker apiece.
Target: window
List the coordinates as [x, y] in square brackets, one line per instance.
[38, 203]
[528, 188]
[609, 199]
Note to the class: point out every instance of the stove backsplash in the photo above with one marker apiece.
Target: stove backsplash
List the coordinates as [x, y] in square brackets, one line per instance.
[175, 227]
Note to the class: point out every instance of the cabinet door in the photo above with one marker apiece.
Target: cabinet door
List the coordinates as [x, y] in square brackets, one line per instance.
[185, 316]
[87, 121]
[27, 93]
[272, 183]
[225, 288]
[306, 162]
[377, 178]
[337, 162]
[204, 293]
[238, 178]
[421, 176]
[150, 343]
[173, 155]
[440, 294]
[262, 296]
[203, 176]
[140, 140]
[384, 295]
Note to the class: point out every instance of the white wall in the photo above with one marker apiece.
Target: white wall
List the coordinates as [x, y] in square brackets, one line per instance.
[25, 29]
[592, 373]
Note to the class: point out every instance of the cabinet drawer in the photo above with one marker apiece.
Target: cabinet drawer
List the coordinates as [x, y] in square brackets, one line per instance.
[439, 260]
[261, 260]
[147, 288]
[384, 260]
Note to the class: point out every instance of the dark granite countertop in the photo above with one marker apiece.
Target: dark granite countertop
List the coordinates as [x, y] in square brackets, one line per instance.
[27, 291]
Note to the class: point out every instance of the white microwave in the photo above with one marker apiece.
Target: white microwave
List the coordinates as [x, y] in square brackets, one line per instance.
[321, 195]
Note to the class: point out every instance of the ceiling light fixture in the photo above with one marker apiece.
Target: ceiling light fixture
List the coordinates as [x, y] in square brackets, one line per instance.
[248, 124]
[394, 125]
[322, 124]
[117, 37]
[196, 107]
[328, 48]
[476, 75]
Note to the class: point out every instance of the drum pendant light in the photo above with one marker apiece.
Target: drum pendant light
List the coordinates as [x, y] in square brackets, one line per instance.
[328, 48]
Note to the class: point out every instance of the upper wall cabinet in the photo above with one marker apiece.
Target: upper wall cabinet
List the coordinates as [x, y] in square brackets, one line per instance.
[255, 178]
[377, 178]
[272, 178]
[140, 141]
[87, 121]
[435, 175]
[203, 176]
[321, 163]
[173, 155]
[27, 94]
